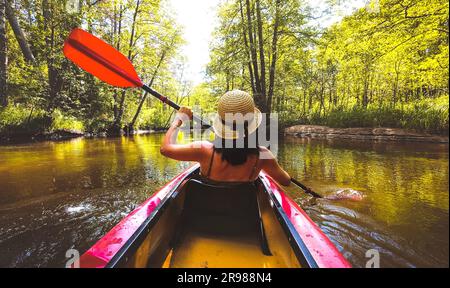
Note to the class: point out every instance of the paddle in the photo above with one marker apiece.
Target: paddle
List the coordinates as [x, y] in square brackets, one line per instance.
[109, 65]
[306, 189]
[342, 194]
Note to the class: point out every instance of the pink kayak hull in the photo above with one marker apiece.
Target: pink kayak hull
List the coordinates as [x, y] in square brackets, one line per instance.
[322, 249]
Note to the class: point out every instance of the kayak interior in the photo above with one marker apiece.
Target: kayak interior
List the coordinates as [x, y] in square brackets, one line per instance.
[202, 225]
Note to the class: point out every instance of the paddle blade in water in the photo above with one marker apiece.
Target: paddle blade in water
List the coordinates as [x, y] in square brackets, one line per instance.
[100, 59]
[346, 194]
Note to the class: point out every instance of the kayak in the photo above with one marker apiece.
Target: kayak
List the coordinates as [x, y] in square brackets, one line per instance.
[192, 224]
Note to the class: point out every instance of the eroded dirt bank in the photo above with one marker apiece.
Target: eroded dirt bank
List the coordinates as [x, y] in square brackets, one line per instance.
[383, 134]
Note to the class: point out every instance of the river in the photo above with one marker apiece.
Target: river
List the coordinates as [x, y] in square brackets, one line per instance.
[55, 196]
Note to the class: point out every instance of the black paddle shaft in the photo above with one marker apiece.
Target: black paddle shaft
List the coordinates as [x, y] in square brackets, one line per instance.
[306, 189]
[172, 104]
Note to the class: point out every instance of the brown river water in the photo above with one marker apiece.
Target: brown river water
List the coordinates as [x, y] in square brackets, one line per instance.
[55, 196]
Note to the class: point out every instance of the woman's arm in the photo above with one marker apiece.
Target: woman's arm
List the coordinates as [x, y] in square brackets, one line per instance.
[271, 167]
[182, 152]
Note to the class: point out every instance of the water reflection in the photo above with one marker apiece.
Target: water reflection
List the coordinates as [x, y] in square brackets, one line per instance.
[60, 195]
[43, 169]
[404, 213]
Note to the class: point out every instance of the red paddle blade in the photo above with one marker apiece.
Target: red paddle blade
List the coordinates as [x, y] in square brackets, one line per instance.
[100, 59]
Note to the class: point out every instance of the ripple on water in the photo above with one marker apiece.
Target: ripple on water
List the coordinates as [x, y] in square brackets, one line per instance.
[78, 209]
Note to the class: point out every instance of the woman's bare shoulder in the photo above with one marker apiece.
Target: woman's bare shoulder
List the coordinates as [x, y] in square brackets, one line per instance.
[204, 146]
[263, 149]
[265, 153]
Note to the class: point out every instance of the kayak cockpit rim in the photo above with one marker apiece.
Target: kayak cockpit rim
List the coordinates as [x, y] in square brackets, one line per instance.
[126, 252]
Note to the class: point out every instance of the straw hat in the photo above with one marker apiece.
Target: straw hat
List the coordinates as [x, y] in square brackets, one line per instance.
[234, 108]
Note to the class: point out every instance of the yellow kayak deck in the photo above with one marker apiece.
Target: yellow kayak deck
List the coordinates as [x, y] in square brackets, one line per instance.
[235, 244]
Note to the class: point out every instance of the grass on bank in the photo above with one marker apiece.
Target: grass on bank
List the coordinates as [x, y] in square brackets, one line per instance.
[20, 120]
[427, 115]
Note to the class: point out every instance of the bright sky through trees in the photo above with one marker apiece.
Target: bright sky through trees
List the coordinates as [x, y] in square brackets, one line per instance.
[198, 18]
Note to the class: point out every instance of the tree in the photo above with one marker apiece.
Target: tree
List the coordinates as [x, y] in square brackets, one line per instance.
[3, 58]
[18, 32]
[369, 63]
[252, 34]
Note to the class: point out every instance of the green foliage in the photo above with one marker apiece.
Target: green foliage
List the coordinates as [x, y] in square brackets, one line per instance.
[373, 68]
[62, 122]
[20, 120]
[376, 67]
[67, 97]
[97, 124]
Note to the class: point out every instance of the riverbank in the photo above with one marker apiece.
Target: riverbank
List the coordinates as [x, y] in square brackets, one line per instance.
[303, 131]
[60, 135]
[378, 134]
[44, 136]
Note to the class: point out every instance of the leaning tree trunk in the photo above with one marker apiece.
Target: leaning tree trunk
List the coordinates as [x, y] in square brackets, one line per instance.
[18, 32]
[141, 103]
[155, 73]
[3, 59]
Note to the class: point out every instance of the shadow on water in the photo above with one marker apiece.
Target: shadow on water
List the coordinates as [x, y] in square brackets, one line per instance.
[57, 196]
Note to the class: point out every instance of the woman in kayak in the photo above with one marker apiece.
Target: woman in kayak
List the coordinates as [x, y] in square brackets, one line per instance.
[218, 163]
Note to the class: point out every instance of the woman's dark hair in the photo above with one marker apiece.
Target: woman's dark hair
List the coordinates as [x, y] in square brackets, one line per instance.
[237, 156]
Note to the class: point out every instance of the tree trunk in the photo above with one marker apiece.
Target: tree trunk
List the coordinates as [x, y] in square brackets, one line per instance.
[274, 56]
[3, 56]
[310, 100]
[18, 32]
[261, 57]
[118, 121]
[54, 78]
[367, 72]
[395, 90]
[144, 97]
[117, 29]
[253, 53]
[304, 102]
[322, 90]
[365, 93]
[247, 49]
